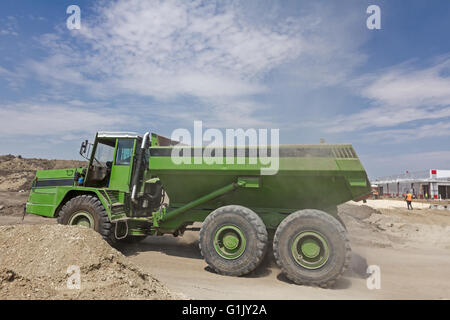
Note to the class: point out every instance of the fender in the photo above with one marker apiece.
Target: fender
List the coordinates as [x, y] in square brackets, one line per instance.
[48, 201]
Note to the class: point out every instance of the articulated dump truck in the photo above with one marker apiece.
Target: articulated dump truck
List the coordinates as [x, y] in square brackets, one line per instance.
[132, 188]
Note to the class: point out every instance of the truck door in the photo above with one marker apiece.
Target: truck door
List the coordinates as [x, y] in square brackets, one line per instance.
[122, 165]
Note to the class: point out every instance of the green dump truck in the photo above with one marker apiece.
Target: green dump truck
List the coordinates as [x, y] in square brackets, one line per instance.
[132, 188]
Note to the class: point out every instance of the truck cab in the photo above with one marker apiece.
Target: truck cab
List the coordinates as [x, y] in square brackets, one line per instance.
[111, 158]
[116, 177]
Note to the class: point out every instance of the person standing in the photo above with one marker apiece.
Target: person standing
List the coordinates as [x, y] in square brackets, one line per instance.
[408, 200]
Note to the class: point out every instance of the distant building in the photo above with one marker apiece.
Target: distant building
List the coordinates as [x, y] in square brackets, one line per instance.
[431, 184]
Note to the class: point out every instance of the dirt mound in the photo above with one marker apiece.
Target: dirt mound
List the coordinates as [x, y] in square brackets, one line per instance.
[397, 228]
[17, 173]
[12, 203]
[38, 261]
[357, 212]
[358, 220]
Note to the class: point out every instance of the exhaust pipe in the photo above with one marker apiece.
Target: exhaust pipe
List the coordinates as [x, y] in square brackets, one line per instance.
[137, 172]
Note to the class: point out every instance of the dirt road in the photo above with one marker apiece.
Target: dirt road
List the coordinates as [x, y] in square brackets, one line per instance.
[412, 250]
[405, 274]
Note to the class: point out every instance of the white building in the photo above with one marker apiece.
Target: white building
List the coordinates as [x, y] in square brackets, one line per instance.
[431, 184]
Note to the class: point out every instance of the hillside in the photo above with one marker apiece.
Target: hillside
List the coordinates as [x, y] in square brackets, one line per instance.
[17, 173]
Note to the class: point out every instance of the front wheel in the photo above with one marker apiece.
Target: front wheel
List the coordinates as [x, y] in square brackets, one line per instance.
[87, 211]
[233, 240]
[311, 248]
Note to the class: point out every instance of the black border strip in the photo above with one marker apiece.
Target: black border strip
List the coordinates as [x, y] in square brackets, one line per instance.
[55, 182]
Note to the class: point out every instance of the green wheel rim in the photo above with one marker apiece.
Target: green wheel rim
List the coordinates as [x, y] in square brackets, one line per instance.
[229, 242]
[82, 218]
[310, 249]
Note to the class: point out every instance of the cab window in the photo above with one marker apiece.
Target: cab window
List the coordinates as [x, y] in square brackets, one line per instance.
[103, 153]
[124, 151]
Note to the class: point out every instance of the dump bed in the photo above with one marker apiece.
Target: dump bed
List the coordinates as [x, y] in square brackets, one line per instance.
[309, 176]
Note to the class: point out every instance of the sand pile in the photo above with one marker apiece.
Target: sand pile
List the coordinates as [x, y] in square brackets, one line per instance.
[17, 173]
[34, 262]
[358, 212]
[397, 228]
[361, 231]
[12, 203]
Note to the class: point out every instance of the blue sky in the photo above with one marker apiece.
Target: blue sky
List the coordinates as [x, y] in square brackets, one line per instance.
[310, 68]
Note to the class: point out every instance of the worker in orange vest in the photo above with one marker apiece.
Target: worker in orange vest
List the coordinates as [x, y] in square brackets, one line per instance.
[408, 200]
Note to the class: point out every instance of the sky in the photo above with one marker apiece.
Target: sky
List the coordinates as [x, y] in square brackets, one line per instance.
[312, 69]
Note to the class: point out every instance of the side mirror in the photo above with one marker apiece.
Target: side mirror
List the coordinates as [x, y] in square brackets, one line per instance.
[83, 148]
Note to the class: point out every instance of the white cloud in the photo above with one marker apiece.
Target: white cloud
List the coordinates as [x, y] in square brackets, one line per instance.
[399, 96]
[168, 49]
[13, 79]
[221, 114]
[394, 136]
[331, 50]
[410, 88]
[211, 52]
[9, 26]
[8, 32]
[4, 72]
[33, 119]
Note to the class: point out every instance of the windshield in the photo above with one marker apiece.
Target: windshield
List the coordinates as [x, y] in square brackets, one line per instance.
[103, 154]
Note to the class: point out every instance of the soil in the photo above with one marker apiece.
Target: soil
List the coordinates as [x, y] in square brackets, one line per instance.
[36, 262]
[17, 173]
[376, 225]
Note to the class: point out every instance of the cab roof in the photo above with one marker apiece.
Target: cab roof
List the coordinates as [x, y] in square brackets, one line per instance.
[112, 134]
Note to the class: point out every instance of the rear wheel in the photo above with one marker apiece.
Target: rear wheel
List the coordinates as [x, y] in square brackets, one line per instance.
[311, 248]
[87, 211]
[233, 240]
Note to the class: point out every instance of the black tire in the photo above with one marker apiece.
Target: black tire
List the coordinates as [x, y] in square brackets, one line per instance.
[330, 229]
[253, 229]
[94, 207]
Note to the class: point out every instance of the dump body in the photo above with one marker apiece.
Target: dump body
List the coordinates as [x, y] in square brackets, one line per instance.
[309, 176]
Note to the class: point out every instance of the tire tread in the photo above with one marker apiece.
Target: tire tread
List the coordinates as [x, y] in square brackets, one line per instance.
[312, 213]
[261, 235]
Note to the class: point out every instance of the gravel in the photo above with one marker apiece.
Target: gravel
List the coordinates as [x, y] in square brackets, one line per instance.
[35, 262]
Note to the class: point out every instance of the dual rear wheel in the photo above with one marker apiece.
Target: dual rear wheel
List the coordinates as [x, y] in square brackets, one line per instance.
[310, 246]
